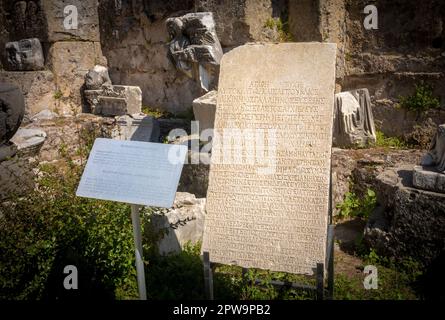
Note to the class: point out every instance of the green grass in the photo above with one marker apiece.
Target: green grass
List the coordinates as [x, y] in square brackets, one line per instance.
[390, 142]
[156, 113]
[421, 100]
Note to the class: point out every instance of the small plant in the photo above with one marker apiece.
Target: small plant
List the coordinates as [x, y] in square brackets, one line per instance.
[281, 27]
[421, 100]
[352, 206]
[58, 95]
[156, 113]
[389, 142]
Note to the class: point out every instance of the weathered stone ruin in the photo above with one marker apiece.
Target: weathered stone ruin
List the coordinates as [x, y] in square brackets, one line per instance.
[195, 48]
[108, 100]
[126, 61]
[25, 55]
[353, 119]
[431, 174]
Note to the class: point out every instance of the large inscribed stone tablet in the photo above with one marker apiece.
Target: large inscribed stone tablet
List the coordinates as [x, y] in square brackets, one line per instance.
[133, 172]
[268, 196]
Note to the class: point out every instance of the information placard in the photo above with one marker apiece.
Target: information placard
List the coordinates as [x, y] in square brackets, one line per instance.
[133, 172]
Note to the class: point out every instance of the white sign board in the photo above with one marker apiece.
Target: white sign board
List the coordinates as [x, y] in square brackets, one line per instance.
[133, 172]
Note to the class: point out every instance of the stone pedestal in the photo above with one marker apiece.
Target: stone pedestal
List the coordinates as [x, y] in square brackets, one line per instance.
[204, 109]
[428, 178]
[409, 222]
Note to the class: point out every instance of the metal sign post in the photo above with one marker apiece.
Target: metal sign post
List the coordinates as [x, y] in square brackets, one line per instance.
[137, 173]
[135, 219]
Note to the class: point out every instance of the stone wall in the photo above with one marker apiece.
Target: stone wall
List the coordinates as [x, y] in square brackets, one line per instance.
[408, 47]
[69, 54]
[136, 30]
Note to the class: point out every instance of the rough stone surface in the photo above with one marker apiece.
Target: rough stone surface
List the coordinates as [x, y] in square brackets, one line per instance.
[204, 109]
[38, 88]
[115, 100]
[12, 109]
[240, 228]
[241, 21]
[427, 178]
[353, 119]
[412, 221]
[24, 19]
[88, 20]
[97, 77]
[7, 150]
[16, 176]
[137, 31]
[182, 224]
[67, 132]
[70, 62]
[136, 128]
[195, 175]
[25, 55]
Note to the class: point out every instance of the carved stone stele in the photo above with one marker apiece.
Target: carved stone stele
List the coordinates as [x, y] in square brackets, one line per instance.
[268, 196]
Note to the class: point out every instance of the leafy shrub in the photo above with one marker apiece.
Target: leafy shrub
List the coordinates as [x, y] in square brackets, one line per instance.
[50, 228]
[389, 142]
[281, 27]
[156, 113]
[422, 99]
[352, 206]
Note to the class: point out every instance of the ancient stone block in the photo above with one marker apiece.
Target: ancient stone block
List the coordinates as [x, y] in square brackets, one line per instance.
[204, 109]
[353, 119]
[87, 16]
[411, 222]
[241, 21]
[25, 55]
[115, 100]
[137, 127]
[427, 178]
[184, 223]
[70, 62]
[12, 109]
[268, 208]
[38, 88]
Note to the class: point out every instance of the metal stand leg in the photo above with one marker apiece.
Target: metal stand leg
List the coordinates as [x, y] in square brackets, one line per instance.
[138, 251]
[330, 261]
[320, 281]
[208, 276]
